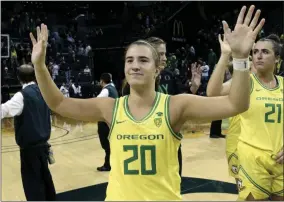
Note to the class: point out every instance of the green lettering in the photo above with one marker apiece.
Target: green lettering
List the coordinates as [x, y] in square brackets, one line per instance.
[135, 137]
[143, 149]
[152, 137]
[164, 88]
[272, 111]
[143, 137]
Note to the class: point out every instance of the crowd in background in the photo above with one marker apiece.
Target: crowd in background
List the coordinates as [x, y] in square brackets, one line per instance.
[70, 52]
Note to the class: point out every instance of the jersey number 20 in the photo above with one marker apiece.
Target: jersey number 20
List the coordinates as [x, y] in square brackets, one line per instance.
[267, 114]
[142, 149]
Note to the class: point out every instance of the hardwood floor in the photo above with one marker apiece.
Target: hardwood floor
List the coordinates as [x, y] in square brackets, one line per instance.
[78, 153]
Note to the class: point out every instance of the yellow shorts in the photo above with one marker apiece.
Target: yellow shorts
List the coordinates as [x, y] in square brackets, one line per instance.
[259, 174]
[232, 154]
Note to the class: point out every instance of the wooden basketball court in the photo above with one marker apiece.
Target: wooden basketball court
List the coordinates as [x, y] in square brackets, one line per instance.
[78, 153]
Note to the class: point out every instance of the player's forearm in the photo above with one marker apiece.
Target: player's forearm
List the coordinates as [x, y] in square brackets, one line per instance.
[51, 94]
[215, 83]
[240, 91]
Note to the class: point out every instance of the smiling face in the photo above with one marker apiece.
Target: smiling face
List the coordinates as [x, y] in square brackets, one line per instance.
[141, 65]
[264, 58]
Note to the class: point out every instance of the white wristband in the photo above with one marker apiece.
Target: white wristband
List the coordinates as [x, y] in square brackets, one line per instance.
[241, 64]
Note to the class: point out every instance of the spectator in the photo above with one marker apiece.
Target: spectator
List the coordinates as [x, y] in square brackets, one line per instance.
[212, 60]
[205, 73]
[87, 70]
[76, 88]
[87, 50]
[55, 70]
[64, 90]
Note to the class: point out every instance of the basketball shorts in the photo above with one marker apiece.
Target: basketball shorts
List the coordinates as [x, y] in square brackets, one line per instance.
[259, 174]
[232, 154]
[233, 163]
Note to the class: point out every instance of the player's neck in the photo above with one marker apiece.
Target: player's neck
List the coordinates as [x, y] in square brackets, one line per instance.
[143, 97]
[265, 77]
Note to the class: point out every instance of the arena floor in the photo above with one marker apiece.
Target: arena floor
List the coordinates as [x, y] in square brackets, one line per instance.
[78, 153]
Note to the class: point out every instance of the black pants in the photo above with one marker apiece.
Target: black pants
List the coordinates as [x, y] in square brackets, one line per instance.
[103, 131]
[36, 177]
[216, 127]
[180, 160]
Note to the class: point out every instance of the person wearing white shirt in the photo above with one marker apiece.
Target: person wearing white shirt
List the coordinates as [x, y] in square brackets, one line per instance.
[55, 70]
[64, 90]
[205, 72]
[77, 90]
[32, 131]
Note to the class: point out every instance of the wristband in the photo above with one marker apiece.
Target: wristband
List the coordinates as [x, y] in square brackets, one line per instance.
[241, 64]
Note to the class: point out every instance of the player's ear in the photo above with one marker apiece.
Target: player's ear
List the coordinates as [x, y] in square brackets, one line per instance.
[157, 72]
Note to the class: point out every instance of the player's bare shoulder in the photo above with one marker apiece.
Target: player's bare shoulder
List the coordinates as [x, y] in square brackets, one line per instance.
[176, 106]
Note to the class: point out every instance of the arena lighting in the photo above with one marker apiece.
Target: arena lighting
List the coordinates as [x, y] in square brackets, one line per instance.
[81, 15]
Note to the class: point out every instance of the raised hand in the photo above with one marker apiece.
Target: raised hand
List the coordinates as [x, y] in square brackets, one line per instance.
[224, 45]
[39, 45]
[196, 72]
[244, 34]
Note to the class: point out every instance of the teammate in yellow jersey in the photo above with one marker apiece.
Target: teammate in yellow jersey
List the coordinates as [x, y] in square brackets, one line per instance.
[216, 87]
[145, 125]
[260, 129]
[261, 141]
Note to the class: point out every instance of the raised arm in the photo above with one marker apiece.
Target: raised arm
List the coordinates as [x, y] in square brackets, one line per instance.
[196, 72]
[95, 109]
[215, 108]
[215, 86]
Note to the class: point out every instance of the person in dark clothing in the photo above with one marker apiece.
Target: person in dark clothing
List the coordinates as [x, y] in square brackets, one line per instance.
[216, 126]
[168, 82]
[216, 129]
[32, 131]
[108, 90]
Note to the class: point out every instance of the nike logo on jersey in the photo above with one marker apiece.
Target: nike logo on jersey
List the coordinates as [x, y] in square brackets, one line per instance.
[118, 122]
[258, 90]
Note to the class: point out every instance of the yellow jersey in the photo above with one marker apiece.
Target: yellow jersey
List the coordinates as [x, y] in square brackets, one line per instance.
[262, 123]
[144, 154]
[233, 133]
[234, 125]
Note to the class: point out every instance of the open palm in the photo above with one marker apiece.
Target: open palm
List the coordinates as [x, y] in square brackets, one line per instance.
[196, 72]
[244, 34]
[39, 45]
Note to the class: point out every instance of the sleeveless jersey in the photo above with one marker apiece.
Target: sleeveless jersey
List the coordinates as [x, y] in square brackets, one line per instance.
[262, 123]
[233, 133]
[144, 154]
[234, 125]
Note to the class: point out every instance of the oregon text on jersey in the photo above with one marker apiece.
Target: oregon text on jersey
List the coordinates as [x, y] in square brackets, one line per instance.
[270, 99]
[140, 137]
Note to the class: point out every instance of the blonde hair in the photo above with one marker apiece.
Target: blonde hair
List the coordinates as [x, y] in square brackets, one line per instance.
[125, 90]
[154, 51]
[155, 41]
